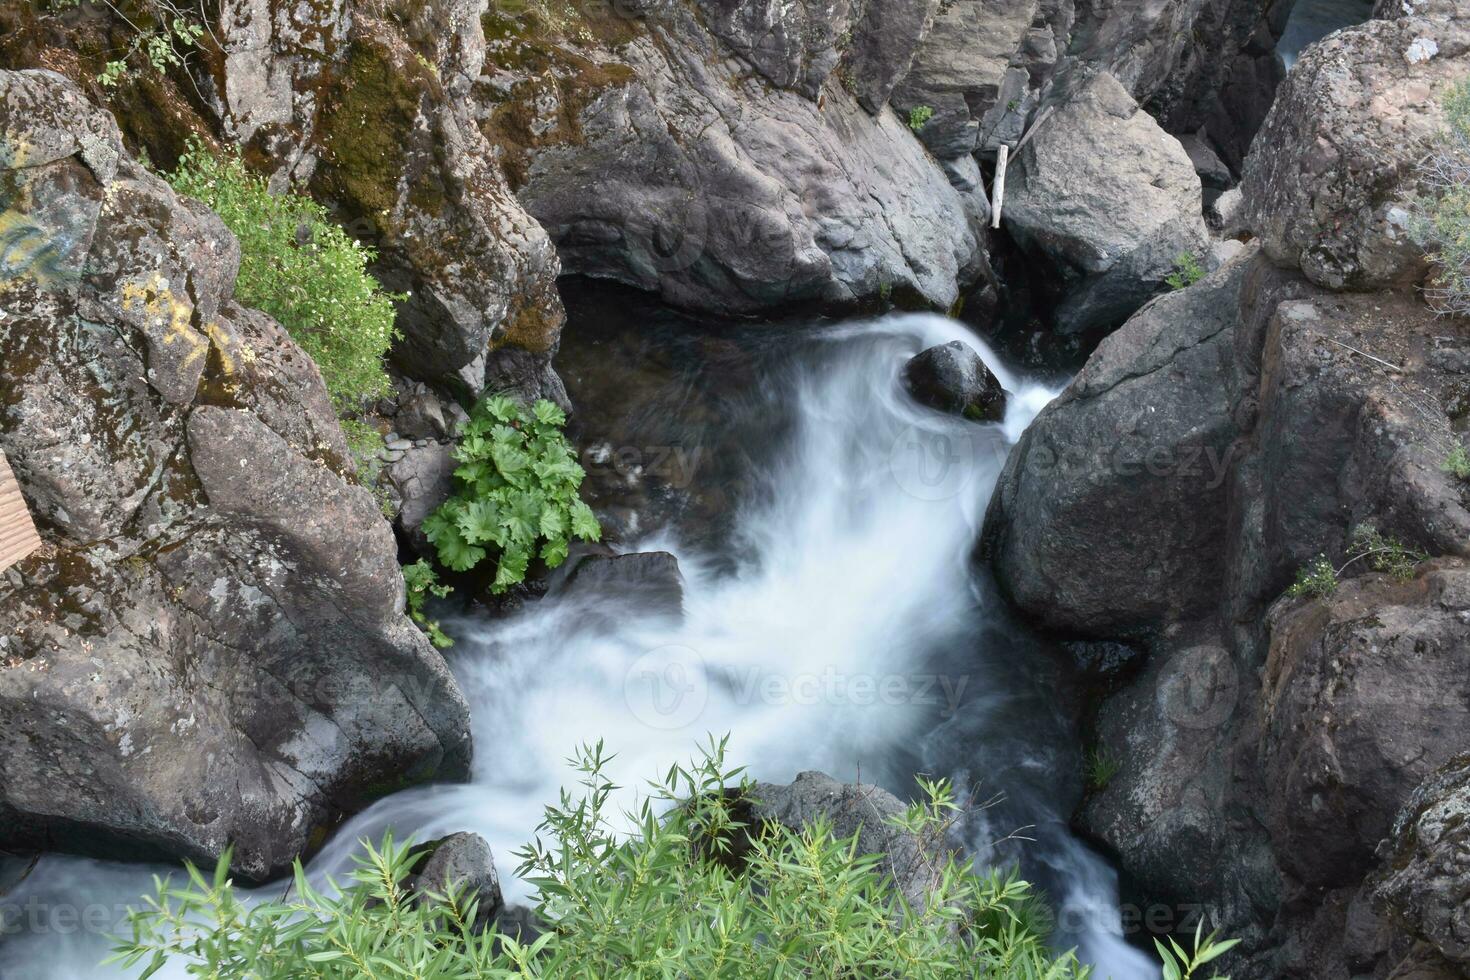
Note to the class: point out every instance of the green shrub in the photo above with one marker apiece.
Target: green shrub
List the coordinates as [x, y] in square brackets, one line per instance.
[1457, 463]
[517, 483]
[1383, 554]
[669, 900]
[1187, 271]
[919, 115]
[303, 270]
[421, 581]
[1317, 579]
[1442, 217]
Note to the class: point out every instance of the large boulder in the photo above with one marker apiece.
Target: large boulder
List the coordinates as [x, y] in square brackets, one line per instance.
[1106, 509]
[210, 648]
[1425, 882]
[1366, 693]
[1330, 179]
[1108, 197]
[663, 164]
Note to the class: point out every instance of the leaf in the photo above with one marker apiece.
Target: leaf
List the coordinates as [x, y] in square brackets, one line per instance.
[522, 518]
[502, 408]
[480, 523]
[457, 553]
[547, 413]
[513, 464]
[512, 568]
[553, 523]
[584, 522]
[554, 551]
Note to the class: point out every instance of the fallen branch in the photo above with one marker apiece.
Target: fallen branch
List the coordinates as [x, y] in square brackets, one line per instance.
[1035, 125]
[998, 187]
[1388, 364]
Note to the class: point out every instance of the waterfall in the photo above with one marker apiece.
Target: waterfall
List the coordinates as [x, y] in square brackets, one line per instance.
[842, 627]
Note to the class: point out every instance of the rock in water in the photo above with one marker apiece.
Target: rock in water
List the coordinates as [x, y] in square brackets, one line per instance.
[852, 808]
[952, 378]
[647, 580]
[462, 861]
[211, 647]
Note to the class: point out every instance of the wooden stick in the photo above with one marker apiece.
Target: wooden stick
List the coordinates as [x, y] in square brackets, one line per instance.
[1045, 115]
[1369, 356]
[998, 186]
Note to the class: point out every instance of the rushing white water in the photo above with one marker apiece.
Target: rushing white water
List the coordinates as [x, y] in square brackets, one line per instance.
[849, 637]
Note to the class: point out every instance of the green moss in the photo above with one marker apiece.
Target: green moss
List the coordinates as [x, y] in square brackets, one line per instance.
[368, 130]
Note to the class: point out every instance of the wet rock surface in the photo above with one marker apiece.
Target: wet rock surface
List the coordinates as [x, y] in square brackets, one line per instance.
[952, 378]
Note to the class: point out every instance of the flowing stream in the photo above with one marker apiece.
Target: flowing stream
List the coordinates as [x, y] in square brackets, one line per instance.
[834, 620]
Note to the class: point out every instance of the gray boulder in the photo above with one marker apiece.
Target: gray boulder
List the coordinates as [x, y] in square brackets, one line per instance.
[210, 647]
[853, 808]
[682, 175]
[1425, 882]
[1331, 176]
[952, 378]
[1367, 693]
[368, 109]
[649, 581]
[461, 862]
[1110, 198]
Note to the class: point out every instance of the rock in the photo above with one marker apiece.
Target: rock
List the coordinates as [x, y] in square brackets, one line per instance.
[851, 808]
[1110, 198]
[1101, 519]
[964, 72]
[461, 861]
[1330, 178]
[422, 478]
[1213, 173]
[1104, 659]
[952, 378]
[210, 649]
[1225, 213]
[746, 198]
[1425, 882]
[1366, 693]
[645, 580]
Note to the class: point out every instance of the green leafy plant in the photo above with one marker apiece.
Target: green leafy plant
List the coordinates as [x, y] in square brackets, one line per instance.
[161, 39]
[1441, 218]
[1187, 271]
[919, 115]
[517, 483]
[691, 891]
[299, 267]
[1316, 579]
[1179, 965]
[421, 581]
[1457, 463]
[1383, 554]
[1101, 766]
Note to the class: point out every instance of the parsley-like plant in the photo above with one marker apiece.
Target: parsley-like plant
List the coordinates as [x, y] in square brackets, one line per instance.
[516, 492]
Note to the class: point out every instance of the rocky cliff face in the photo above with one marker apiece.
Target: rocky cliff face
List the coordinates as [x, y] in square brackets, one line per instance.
[1214, 445]
[210, 647]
